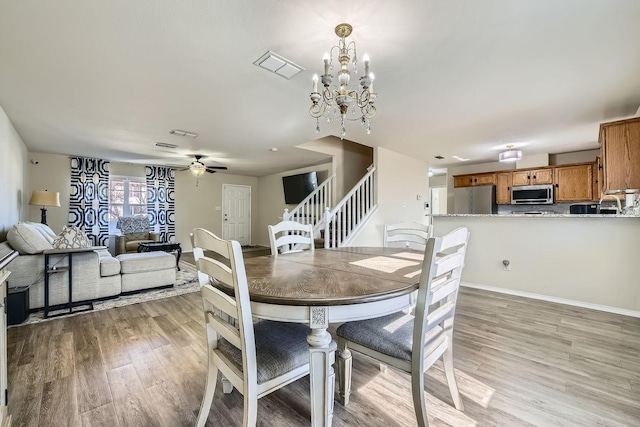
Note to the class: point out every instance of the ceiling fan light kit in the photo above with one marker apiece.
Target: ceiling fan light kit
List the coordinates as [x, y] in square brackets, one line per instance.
[198, 168]
[344, 98]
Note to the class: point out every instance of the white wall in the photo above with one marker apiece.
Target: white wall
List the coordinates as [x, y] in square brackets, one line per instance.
[270, 199]
[52, 173]
[350, 161]
[402, 186]
[196, 206]
[14, 177]
[590, 260]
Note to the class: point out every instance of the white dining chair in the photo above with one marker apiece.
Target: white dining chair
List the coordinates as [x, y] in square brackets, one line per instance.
[290, 236]
[413, 343]
[255, 359]
[407, 233]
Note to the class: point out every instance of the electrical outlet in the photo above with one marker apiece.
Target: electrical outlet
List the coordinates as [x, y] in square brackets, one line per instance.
[506, 264]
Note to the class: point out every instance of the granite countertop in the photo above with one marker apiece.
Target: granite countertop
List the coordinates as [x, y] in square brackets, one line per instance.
[551, 215]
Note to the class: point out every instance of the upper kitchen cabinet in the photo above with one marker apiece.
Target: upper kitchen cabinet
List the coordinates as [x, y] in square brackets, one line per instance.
[503, 188]
[532, 177]
[573, 183]
[474, 179]
[620, 150]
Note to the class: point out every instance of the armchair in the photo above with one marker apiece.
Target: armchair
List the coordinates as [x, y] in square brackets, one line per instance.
[135, 230]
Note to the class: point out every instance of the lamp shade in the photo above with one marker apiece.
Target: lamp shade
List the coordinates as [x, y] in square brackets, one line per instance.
[45, 198]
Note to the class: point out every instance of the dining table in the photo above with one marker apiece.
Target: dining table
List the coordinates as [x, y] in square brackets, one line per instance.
[323, 286]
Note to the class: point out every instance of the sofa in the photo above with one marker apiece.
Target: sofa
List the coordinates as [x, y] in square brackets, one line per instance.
[96, 274]
[135, 230]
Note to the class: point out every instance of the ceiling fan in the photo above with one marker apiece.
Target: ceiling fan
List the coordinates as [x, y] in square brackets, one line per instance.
[198, 168]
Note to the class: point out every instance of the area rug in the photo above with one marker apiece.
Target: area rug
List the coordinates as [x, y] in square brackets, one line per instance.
[186, 282]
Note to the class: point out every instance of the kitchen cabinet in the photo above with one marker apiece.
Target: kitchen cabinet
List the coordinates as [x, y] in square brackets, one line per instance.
[620, 150]
[474, 179]
[573, 183]
[597, 179]
[532, 176]
[503, 188]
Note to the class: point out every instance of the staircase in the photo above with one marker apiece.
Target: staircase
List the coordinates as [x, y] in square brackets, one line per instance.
[339, 225]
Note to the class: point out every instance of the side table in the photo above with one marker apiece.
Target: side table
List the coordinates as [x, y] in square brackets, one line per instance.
[160, 246]
[49, 270]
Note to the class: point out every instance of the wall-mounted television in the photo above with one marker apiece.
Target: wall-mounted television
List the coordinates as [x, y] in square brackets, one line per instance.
[297, 187]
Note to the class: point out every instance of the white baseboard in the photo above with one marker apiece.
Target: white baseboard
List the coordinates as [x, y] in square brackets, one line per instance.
[565, 301]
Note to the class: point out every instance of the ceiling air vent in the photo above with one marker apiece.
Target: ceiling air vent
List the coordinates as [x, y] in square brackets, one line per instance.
[165, 145]
[183, 133]
[277, 64]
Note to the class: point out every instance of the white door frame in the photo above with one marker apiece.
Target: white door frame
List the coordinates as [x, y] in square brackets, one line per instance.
[224, 201]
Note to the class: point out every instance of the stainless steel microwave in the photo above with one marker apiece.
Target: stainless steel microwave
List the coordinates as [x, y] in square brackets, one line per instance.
[532, 194]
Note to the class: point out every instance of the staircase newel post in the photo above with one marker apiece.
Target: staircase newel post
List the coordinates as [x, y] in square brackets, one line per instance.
[285, 215]
[327, 218]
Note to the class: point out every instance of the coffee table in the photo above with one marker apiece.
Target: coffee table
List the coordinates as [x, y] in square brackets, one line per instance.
[161, 246]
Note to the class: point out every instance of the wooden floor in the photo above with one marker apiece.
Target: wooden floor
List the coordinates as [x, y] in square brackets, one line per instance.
[520, 362]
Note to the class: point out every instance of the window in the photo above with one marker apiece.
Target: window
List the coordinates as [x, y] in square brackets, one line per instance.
[127, 197]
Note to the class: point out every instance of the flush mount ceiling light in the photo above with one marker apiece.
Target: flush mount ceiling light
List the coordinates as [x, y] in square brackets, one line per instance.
[360, 102]
[510, 155]
[183, 133]
[277, 64]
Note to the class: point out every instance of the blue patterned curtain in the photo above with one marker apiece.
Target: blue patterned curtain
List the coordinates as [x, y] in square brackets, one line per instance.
[161, 205]
[89, 198]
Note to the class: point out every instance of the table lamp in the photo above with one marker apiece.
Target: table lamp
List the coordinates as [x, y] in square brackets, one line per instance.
[45, 198]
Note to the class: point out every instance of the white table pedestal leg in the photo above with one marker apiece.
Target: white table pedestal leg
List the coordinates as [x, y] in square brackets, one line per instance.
[321, 375]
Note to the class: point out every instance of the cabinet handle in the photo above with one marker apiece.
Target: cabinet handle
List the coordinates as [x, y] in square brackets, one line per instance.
[599, 166]
[528, 176]
[556, 185]
[534, 177]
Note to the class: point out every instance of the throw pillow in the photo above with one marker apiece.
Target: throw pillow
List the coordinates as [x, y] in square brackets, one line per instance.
[44, 230]
[25, 239]
[70, 238]
[133, 224]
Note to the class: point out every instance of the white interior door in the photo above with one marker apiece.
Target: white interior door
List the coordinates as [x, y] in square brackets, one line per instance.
[236, 213]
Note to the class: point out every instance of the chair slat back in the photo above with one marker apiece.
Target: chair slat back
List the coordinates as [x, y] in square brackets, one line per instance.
[228, 316]
[287, 236]
[439, 283]
[406, 232]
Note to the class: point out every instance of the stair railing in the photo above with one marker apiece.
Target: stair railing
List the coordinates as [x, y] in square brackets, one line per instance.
[311, 209]
[343, 221]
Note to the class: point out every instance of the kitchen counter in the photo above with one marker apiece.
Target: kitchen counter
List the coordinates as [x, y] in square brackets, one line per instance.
[551, 215]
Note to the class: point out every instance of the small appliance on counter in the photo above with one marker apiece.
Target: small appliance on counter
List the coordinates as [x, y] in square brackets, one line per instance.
[584, 208]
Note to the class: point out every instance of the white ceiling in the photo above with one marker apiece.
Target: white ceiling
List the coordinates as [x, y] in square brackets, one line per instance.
[110, 78]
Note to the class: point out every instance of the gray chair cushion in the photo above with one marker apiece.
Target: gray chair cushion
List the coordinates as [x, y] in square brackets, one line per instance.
[391, 335]
[280, 348]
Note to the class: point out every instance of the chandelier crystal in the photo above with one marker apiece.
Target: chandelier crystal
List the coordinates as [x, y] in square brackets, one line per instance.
[342, 99]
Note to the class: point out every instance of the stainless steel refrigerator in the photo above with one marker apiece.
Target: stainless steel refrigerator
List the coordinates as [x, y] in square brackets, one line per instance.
[475, 200]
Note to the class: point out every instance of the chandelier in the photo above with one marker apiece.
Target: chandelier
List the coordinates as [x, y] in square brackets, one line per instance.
[342, 98]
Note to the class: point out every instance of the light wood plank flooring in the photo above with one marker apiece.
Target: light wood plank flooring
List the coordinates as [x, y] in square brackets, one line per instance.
[520, 362]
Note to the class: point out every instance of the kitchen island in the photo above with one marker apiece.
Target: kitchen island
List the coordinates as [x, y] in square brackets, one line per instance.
[589, 260]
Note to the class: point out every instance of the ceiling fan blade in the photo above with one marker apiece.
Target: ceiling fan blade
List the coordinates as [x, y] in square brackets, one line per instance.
[222, 168]
[210, 171]
[183, 169]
